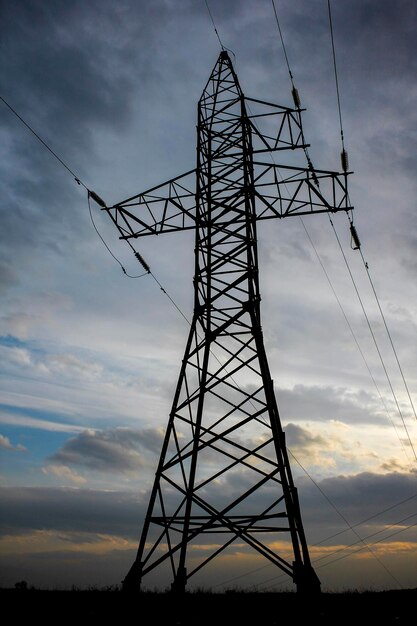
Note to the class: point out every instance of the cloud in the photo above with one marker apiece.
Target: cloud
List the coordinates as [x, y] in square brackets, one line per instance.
[114, 449]
[367, 490]
[302, 439]
[43, 364]
[15, 419]
[314, 448]
[74, 524]
[113, 88]
[372, 500]
[17, 356]
[73, 366]
[5, 443]
[381, 500]
[62, 471]
[90, 560]
[329, 403]
[8, 275]
[71, 510]
[19, 324]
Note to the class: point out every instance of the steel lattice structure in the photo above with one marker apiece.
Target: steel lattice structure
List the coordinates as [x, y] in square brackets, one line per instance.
[224, 428]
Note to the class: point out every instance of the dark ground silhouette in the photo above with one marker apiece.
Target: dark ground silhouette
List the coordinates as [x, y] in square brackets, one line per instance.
[204, 608]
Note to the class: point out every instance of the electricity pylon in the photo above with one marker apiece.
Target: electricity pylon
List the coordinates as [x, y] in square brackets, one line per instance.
[224, 470]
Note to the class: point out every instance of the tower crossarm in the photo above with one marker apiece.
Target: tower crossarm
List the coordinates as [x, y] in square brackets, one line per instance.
[279, 190]
[167, 207]
[283, 191]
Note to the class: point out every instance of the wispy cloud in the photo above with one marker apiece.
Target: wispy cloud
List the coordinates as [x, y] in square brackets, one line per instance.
[7, 445]
[15, 419]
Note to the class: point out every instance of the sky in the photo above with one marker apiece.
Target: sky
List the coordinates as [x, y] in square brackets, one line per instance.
[89, 358]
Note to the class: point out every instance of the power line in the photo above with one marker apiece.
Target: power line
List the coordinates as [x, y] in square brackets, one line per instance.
[345, 167]
[374, 534]
[295, 95]
[78, 180]
[388, 332]
[170, 298]
[335, 74]
[344, 519]
[368, 519]
[282, 41]
[296, 101]
[105, 244]
[373, 337]
[353, 335]
[43, 142]
[98, 200]
[345, 556]
[297, 461]
[364, 521]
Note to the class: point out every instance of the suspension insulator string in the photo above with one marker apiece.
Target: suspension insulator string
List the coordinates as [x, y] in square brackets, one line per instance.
[143, 262]
[296, 97]
[344, 159]
[97, 199]
[355, 243]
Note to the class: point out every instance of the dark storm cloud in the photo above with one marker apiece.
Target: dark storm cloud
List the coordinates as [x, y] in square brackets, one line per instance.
[381, 21]
[386, 498]
[389, 497]
[54, 72]
[25, 509]
[70, 69]
[368, 491]
[376, 54]
[63, 63]
[115, 449]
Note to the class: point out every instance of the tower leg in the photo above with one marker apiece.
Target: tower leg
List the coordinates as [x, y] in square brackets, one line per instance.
[131, 582]
[306, 579]
[180, 581]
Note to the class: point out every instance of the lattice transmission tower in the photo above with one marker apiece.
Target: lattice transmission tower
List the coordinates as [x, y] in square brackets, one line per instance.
[223, 474]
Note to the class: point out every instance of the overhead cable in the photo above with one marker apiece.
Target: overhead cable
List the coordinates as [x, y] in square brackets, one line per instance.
[47, 146]
[374, 339]
[318, 543]
[343, 155]
[355, 237]
[90, 193]
[388, 333]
